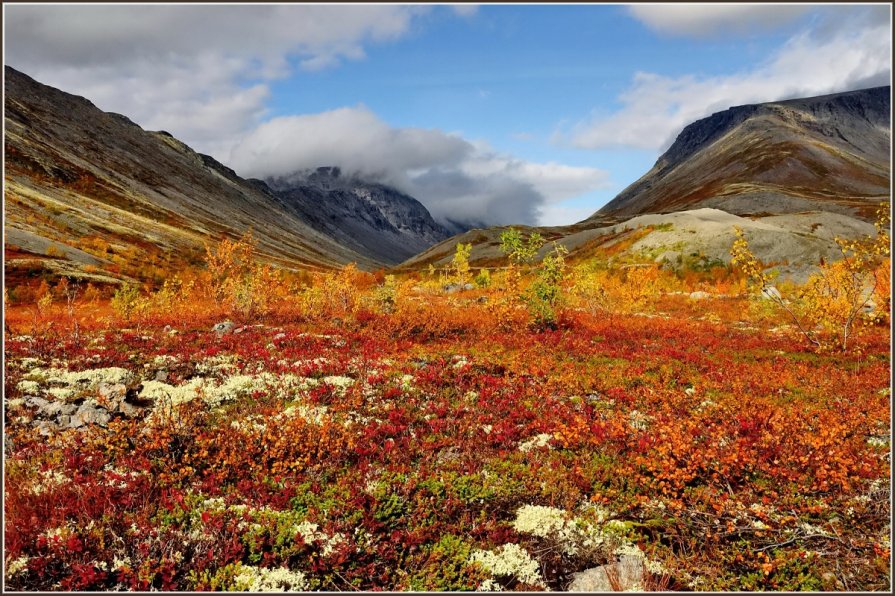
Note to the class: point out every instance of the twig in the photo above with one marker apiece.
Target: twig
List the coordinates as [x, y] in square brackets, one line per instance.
[793, 539]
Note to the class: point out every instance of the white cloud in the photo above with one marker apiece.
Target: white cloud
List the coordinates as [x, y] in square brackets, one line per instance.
[203, 73]
[852, 54]
[454, 178]
[200, 72]
[715, 19]
[465, 10]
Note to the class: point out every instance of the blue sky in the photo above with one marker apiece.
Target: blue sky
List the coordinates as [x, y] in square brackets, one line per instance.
[493, 114]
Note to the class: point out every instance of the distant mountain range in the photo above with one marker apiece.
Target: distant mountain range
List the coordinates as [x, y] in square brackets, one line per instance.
[793, 174]
[372, 219]
[828, 153]
[75, 175]
[91, 194]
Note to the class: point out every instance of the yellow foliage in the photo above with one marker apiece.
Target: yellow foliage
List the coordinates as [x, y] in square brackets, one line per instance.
[629, 290]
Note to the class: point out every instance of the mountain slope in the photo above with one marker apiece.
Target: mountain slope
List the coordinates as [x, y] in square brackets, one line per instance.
[828, 153]
[83, 180]
[372, 219]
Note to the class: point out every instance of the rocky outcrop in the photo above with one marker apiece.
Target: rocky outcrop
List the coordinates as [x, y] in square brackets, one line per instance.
[371, 218]
[828, 153]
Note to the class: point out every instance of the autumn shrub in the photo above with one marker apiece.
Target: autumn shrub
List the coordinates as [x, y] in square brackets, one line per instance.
[386, 295]
[332, 294]
[599, 289]
[829, 308]
[545, 293]
[238, 284]
[127, 300]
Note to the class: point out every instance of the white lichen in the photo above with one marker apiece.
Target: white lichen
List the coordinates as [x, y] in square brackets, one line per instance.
[535, 442]
[16, 566]
[260, 579]
[510, 560]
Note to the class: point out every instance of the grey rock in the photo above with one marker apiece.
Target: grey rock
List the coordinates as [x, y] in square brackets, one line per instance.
[279, 336]
[112, 394]
[699, 295]
[89, 414]
[52, 409]
[46, 428]
[36, 402]
[627, 574]
[223, 327]
[451, 288]
[161, 375]
[669, 256]
[869, 307]
[130, 410]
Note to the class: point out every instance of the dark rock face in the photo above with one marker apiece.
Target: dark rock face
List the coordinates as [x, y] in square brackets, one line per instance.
[370, 218]
[828, 153]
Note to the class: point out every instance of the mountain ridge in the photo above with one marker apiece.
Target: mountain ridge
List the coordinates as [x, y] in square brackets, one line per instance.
[77, 175]
[829, 152]
[368, 217]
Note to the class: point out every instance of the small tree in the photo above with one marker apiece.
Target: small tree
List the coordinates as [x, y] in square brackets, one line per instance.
[519, 250]
[545, 293]
[460, 264]
[126, 300]
[831, 301]
[483, 279]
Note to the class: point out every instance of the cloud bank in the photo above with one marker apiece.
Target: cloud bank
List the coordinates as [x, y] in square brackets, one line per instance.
[711, 20]
[847, 49]
[200, 72]
[456, 179]
[203, 73]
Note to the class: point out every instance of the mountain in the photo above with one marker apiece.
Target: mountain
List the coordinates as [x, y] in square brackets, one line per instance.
[93, 195]
[829, 153]
[372, 219]
[793, 175]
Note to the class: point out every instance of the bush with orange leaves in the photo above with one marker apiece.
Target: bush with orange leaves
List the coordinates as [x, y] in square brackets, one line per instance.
[236, 281]
[827, 308]
[334, 294]
[606, 291]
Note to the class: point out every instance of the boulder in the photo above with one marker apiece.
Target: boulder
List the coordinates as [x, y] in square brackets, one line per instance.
[451, 288]
[36, 402]
[223, 327]
[89, 414]
[699, 295]
[111, 394]
[130, 410]
[46, 428]
[626, 574]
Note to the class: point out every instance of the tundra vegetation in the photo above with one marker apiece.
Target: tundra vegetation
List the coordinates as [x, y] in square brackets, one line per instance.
[235, 426]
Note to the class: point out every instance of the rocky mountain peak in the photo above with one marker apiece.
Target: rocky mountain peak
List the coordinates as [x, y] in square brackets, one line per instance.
[828, 153]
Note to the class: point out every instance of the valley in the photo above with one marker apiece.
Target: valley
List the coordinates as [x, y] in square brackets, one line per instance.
[309, 383]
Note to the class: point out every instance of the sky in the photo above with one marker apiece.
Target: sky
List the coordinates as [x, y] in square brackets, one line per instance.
[488, 114]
